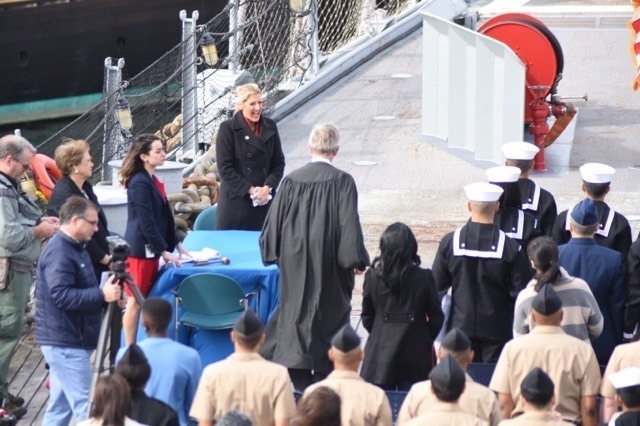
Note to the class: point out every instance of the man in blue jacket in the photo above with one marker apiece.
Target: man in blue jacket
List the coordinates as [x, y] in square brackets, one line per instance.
[68, 317]
[602, 268]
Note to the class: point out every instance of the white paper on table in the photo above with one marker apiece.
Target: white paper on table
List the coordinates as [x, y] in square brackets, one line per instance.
[204, 254]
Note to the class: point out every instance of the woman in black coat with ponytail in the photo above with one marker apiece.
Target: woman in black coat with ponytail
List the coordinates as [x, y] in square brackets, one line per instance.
[401, 311]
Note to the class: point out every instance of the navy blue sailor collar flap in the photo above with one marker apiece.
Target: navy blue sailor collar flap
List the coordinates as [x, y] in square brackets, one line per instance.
[606, 214]
[243, 132]
[479, 240]
[514, 222]
[532, 194]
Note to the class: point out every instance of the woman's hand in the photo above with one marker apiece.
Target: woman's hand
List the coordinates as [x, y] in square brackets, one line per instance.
[260, 194]
[183, 251]
[171, 259]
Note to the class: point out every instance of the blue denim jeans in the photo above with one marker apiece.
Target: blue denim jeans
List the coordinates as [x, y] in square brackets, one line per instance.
[70, 380]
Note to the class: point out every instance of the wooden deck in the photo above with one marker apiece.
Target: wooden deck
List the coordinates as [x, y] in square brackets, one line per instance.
[27, 375]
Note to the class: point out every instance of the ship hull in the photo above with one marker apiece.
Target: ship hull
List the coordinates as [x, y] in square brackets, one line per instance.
[58, 50]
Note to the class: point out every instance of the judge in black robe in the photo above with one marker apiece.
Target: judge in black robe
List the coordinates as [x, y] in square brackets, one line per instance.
[313, 233]
[485, 270]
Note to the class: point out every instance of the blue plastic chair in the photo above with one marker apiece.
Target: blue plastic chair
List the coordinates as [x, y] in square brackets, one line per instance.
[206, 220]
[209, 301]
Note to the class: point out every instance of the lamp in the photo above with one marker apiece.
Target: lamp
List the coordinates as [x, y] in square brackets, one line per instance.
[123, 110]
[209, 50]
[297, 5]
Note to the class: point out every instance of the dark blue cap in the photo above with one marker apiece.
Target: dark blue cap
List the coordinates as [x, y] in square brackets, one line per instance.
[585, 213]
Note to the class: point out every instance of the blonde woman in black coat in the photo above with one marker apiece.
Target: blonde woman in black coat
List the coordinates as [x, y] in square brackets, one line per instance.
[250, 162]
[401, 311]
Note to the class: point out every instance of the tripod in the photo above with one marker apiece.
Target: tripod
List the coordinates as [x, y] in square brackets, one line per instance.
[106, 332]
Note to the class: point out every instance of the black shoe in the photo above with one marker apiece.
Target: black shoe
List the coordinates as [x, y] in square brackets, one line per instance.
[17, 401]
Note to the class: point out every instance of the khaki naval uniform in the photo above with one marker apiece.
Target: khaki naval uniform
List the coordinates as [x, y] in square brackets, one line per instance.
[246, 382]
[623, 356]
[445, 414]
[569, 362]
[535, 418]
[476, 399]
[362, 404]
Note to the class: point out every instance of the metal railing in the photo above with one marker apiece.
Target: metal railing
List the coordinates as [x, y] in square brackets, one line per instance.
[279, 44]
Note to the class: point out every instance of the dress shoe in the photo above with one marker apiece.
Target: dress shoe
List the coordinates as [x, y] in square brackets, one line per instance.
[18, 401]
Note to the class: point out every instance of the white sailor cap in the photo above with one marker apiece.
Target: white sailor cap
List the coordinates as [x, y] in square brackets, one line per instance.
[519, 150]
[503, 174]
[625, 378]
[597, 173]
[483, 191]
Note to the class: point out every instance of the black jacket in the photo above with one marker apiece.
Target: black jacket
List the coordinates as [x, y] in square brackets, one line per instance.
[486, 270]
[401, 328]
[245, 160]
[98, 246]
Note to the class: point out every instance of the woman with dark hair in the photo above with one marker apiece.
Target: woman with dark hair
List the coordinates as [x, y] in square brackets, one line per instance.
[151, 230]
[250, 162]
[401, 311]
[74, 161]
[111, 403]
[510, 218]
[319, 408]
[581, 315]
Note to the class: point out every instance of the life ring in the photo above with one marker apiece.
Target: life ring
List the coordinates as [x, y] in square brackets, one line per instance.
[45, 172]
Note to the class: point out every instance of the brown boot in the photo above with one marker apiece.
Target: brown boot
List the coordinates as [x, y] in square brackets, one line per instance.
[18, 401]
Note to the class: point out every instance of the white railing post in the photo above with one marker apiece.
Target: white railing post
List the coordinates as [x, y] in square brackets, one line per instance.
[472, 89]
[189, 95]
[112, 139]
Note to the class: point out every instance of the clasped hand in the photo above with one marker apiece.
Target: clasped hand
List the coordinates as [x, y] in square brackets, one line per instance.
[260, 194]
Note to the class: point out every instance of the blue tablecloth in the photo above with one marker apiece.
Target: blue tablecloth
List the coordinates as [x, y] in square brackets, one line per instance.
[243, 251]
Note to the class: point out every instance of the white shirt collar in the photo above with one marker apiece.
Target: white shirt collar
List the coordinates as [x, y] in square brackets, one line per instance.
[319, 159]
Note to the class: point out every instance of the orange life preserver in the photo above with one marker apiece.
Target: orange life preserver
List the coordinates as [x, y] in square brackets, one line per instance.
[45, 172]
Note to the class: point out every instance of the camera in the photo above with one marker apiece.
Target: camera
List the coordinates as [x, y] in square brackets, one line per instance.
[119, 250]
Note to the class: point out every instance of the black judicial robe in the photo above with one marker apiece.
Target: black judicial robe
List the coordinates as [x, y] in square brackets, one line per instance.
[486, 270]
[614, 231]
[517, 224]
[151, 411]
[313, 233]
[539, 202]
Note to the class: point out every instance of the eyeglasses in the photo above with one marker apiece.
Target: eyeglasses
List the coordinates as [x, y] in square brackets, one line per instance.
[92, 222]
[24, 166]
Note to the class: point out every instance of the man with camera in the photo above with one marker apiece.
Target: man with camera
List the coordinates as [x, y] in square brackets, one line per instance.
[68, 317]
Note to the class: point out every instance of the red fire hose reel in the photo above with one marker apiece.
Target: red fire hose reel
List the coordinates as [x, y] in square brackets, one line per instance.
[542, 55]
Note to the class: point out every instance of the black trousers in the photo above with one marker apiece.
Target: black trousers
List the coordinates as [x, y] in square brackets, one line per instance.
[487, 350]
[302, 378]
